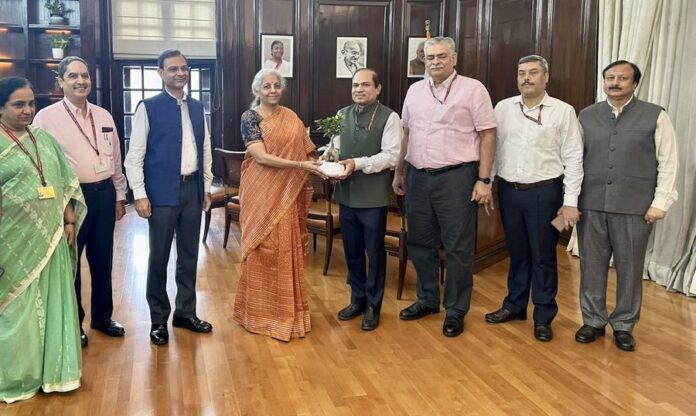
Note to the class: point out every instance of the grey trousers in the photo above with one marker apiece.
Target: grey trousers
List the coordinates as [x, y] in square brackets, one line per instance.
[165, 221]
[601, 234]
[439, 211]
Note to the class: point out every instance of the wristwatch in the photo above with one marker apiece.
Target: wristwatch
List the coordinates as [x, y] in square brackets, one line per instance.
[487, 181]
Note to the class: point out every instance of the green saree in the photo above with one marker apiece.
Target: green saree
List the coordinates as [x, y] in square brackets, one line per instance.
[39, 333]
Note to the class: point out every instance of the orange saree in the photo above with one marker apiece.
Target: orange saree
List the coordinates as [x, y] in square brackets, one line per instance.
[271, 297]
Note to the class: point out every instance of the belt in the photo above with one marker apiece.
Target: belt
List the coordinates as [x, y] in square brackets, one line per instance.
[96, 186]
[189, 177]
[526, 186]
[438, 171]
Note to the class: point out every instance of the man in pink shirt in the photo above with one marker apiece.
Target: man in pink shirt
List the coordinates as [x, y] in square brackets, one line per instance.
[446, 156]
[87, 135]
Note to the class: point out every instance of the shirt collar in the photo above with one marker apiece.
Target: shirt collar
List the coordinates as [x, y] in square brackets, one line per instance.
[618, 110]
[183, 99]
[75, 110]
[546, 101]
[447, 80]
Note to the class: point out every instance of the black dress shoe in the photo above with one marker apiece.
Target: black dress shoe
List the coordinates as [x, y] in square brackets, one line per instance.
[370, 320]
[453, 326]
[543, 332]
[159, 334]
[193, 323]
[588, 333]
[351, 311]
[83, 338]
[416, 311]
[624, 340]
[109, 327]
[504, 315]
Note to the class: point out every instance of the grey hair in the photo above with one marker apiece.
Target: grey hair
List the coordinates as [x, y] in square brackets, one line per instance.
[258, 80]
[438, 40]
[63, 65]
[535, 58]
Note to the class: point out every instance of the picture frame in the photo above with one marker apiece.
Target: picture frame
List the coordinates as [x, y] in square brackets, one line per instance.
[274, 47]
[351, 55]
[415, 64]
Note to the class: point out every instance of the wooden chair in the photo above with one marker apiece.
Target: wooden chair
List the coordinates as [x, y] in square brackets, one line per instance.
[218, 199]
[395, 239]
[232, 173]
[323, 217]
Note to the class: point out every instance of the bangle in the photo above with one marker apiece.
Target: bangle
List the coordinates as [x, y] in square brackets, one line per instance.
[301, 167]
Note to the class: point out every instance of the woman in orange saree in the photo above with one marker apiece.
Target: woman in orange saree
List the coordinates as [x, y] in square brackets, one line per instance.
[274, 202]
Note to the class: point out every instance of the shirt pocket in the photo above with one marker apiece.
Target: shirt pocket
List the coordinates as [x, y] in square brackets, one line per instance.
[106, 142]
[545, 136]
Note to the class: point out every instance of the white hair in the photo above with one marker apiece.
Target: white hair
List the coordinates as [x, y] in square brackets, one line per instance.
[438, 40]
[258, 80]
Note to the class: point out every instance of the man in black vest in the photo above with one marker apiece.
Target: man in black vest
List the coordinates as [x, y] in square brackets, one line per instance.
[630, 164]
[368, 148]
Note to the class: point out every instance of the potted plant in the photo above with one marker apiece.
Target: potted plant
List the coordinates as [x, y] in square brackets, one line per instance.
[331, 126]
[57, 10]
[59, 42]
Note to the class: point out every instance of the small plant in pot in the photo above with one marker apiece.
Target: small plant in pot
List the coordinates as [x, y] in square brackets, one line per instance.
[57, 10]
[59, 42]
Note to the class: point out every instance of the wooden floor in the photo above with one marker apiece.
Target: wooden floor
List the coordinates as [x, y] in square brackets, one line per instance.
[402, 368]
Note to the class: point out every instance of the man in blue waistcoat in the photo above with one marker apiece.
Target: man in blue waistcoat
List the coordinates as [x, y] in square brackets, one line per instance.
[630, 165]
[368, 148]
[169, 170]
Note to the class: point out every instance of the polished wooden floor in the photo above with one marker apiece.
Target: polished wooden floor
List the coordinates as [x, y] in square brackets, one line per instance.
[402, 368]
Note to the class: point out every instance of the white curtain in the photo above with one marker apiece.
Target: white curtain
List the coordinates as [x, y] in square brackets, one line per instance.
[660, 37]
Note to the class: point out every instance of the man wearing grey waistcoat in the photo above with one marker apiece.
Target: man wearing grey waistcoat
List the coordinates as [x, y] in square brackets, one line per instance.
[630, 165]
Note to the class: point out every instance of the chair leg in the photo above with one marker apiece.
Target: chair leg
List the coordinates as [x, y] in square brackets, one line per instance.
[208, 215]
[442, 272]
[327, 256]
[403, 261]
[314, 242]
[227, 230]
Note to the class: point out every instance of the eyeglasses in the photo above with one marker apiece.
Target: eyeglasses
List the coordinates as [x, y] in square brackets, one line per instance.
[175, 69]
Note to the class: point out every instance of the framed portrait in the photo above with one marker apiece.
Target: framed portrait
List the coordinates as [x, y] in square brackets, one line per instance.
[277, 53]
[351, 55]
[415, 58]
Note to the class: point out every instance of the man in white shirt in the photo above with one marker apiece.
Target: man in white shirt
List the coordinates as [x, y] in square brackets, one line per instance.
[169, 170]
[539, 168]
[368, 148]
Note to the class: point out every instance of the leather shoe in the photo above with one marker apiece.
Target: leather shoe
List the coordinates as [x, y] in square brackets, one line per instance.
[504, 315]
[453, 326]
[587, 334]
[351, 311]
[109, 327]
[370, 320]
[193, 323]
[159, 334]
[543, 332]
[416, 311]
[83, 338]
[624, 340]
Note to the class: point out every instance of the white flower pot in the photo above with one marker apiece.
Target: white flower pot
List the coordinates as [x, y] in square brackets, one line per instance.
[58, 53]
[56, 20]
[332, 169]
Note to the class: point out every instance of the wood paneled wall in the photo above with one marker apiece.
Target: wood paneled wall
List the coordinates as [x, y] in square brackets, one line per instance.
[491, 35]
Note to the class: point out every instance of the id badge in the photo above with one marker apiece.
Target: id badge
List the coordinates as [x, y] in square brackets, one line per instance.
[46, 192]
[101, 167]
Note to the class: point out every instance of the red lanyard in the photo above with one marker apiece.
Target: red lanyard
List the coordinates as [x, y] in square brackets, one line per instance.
[536, 120]
[37, 162]
[372, 117]
[444, 100]
[94, 130]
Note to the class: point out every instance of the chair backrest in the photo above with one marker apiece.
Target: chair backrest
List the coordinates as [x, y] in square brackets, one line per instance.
[323, 189]
[396, 205]
[232, 166]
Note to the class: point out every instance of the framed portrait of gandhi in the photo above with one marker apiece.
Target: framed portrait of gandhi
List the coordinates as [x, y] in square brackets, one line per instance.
[351, 55]
[415, 57]
[277, 53]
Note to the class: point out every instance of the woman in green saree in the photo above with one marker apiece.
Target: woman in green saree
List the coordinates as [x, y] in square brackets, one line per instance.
[42, 209]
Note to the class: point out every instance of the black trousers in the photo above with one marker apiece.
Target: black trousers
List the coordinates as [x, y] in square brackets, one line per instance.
[363, 231]
[531, 241]
[439, 211]
[96, 237]
[183, 220]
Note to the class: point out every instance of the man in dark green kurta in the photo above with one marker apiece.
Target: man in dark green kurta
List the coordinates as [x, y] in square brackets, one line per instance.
[369, 149]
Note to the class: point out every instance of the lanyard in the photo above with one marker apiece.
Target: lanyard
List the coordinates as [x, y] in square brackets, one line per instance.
[444, 100]
[536, 120]
[37, 162]
[372, 117]
[94, 131]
